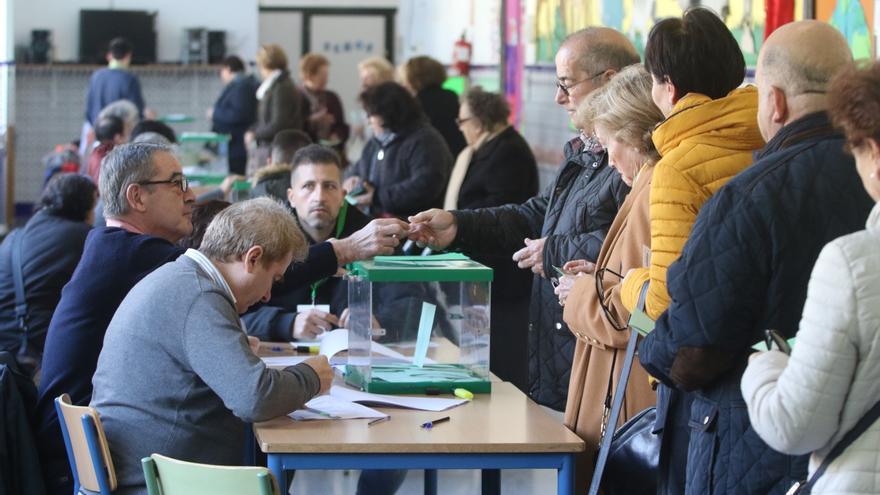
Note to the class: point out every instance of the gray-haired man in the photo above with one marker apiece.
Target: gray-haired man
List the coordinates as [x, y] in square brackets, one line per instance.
[182, 381]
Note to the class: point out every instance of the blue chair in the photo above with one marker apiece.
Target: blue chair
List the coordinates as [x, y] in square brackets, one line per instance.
[87, 448]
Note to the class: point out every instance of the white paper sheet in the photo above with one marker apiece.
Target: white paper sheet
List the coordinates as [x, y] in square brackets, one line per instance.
[330, 407]
[419, 403]
[283, 361]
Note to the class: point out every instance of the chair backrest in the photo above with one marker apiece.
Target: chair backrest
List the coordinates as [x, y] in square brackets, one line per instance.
[86, 444]
[188, 478]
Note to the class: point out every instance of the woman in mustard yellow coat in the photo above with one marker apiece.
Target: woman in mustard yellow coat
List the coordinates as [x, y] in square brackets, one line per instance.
[622, 115]
[708, 137]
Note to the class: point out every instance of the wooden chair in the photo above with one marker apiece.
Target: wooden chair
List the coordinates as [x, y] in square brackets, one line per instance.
[87, 448]
[188, 478]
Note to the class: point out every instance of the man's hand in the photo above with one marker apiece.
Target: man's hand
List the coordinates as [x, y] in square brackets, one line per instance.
[380, 237]
[253, 343]
[351, 183]
[531, 256]
[435, 228]
[323, 370]
[309, 324]
[226, 185]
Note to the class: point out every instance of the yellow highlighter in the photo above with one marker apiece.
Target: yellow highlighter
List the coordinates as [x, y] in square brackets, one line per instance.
[462, 393]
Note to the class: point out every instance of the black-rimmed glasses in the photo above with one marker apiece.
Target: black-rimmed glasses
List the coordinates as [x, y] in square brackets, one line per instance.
[180, 182]
[566, 89]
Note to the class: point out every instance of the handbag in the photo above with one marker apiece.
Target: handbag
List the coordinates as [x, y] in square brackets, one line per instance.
[870, 417]
[628, 461]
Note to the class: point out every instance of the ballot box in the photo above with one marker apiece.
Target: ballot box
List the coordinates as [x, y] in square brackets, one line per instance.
[419, 324]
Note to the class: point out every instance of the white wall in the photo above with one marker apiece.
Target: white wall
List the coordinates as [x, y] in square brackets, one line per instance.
[237, 17]
[431, 27]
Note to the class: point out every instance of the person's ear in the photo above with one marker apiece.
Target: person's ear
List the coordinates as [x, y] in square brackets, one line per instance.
[671, 92]
[252, 257]
[607, 75]
[290, 196]
[780, 105]
[134, 195]
[874, 149]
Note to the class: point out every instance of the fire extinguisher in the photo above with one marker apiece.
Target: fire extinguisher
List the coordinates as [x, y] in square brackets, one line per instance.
[461, 57]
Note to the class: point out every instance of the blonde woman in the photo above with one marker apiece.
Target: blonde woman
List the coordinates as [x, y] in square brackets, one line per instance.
[622, 115]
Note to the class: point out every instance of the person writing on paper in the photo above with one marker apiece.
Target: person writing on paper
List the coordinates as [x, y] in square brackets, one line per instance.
[158, 387]
[318, 199]
[838, 346]
[622, 114]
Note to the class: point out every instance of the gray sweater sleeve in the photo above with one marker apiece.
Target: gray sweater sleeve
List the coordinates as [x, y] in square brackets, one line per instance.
[217, 350]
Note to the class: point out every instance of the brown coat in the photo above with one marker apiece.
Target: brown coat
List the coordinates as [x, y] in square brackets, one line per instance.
[625, 247]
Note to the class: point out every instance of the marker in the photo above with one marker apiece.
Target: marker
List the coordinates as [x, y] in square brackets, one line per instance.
[462, 393]
[430, 424]
[379, 420]
[308, 349]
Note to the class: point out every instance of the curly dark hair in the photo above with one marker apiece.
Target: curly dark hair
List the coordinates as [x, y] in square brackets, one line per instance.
[697, 53]
[70, 196]
[854, 103]
[202, 214]
[490, 109]
[390, 101]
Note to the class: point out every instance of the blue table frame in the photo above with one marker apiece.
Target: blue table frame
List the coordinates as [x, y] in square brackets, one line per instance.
[563, 462]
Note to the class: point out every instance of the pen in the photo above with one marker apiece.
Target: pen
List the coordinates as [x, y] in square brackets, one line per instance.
[430, 424]
[310, 349]
[559, 271]
[379, 420]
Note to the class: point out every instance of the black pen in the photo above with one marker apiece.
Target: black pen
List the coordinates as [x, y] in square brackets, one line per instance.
[430, 424]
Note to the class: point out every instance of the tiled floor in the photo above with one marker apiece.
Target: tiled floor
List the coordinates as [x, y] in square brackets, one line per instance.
[458, 482]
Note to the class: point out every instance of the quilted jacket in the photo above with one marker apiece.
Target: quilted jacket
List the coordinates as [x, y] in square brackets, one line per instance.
[704, 143]
[744, 269]
[573, 213]
[808, 402]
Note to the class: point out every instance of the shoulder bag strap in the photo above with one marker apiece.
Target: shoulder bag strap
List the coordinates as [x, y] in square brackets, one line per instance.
[617, 403]
[867, 420]
[21, 306]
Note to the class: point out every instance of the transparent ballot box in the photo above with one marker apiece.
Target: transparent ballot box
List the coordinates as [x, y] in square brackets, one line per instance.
[419, 324]
[204, 156]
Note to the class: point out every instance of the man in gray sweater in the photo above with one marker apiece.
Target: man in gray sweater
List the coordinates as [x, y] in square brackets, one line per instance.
[176, 375]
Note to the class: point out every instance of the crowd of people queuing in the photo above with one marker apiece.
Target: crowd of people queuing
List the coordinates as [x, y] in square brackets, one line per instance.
[720, 209]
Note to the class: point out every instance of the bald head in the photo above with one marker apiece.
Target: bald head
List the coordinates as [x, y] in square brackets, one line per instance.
[803, 56]
[795, 66]
[600, 48]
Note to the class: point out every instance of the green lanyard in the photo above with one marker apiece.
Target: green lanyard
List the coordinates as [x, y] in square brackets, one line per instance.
[340, 224]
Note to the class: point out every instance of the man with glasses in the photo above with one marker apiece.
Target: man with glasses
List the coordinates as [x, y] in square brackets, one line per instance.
[567, 221]
[147, 204]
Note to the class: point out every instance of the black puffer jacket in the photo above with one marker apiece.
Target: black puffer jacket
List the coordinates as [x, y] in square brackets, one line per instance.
[573, 213]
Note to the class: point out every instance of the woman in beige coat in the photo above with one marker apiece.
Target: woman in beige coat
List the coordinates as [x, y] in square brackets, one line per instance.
[623, 115]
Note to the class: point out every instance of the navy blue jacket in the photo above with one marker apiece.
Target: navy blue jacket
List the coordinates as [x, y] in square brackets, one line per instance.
[109, 85]
[51, 248]
[745, 268]
[234, 112]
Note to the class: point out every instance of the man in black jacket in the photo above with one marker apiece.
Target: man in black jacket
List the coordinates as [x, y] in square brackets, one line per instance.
[235, 110]
[567, 221]
[746, 267]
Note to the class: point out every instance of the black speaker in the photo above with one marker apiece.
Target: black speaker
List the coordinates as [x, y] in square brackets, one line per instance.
[216, 46]
[41, 46]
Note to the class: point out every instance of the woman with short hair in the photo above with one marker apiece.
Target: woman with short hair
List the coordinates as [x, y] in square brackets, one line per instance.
[326, 122]
[50, 245]
[424, 77]
[405, 166]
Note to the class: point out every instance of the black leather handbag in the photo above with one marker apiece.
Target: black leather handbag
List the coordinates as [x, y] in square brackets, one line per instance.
[628, 461]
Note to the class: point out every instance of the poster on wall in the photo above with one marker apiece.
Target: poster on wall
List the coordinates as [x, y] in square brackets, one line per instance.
[853, 18]
[553, 20]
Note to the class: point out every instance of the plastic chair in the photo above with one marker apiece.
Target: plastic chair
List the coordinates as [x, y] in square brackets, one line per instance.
[189, 478]
[87, 448]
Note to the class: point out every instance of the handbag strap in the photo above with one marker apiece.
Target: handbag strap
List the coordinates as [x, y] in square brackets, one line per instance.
[21, 306]
[867, 420]
[617, 403]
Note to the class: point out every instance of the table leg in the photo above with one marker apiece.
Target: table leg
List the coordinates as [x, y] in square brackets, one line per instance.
[565, 476]
[277, 467]
[430, 482]
[491, 482]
